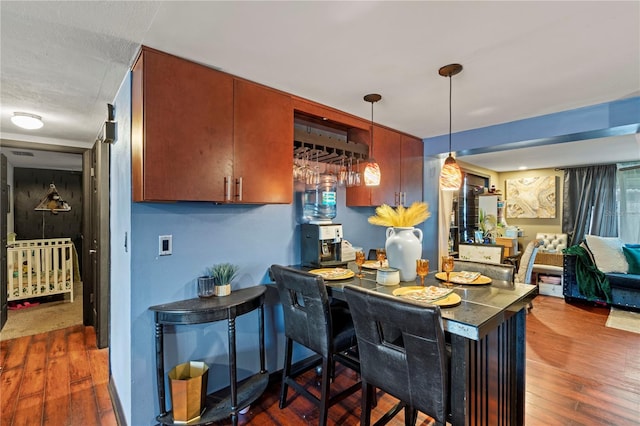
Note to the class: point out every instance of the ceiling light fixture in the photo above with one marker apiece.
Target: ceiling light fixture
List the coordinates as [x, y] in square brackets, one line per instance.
[450, 175]
[27, 121]
[372, 169]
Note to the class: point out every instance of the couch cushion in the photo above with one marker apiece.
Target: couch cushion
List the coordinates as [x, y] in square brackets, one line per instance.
[629, 281]
[633, 258]
[607, 252]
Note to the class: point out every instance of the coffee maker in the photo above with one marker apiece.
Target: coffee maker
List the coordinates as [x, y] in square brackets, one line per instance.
[321, 245]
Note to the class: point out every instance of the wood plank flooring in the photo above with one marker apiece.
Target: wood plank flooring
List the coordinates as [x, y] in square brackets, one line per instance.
[56, 378]
[579, 373]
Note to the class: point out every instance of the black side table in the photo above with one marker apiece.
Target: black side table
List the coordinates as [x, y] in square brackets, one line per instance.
[229, 401]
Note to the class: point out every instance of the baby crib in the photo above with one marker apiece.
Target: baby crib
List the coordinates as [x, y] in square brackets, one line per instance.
[37, 268]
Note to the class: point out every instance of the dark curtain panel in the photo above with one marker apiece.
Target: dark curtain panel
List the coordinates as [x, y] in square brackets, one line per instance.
[589, 202]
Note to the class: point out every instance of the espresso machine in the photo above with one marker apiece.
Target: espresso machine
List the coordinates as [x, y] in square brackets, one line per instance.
[321, 245]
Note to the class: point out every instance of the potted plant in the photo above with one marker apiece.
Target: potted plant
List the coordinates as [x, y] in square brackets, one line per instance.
[223, 274]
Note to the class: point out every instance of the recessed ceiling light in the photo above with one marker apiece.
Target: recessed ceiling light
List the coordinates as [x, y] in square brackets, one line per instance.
[522, 168]
[27, 121]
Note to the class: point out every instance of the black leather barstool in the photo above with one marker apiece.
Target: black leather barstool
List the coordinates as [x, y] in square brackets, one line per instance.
[496, 271]
[311, 321]
[402, 352]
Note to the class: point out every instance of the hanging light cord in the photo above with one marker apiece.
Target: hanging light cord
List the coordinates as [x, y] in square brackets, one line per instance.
[372, 129]
[450, 91]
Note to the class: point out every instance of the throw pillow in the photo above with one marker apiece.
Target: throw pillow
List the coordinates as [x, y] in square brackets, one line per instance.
[607, 252]
[633, 258]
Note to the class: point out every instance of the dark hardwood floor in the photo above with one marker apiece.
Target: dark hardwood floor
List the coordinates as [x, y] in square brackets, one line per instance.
[579, 372]
[56, 378]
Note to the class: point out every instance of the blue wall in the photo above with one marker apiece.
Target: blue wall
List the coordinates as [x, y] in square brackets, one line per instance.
[254, 237]
[607, 119]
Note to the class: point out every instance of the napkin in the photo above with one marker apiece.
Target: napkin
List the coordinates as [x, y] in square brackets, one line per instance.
[464, 277]
[428, 294]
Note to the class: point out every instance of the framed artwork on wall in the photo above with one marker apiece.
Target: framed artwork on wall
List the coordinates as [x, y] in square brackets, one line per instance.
[532, 197]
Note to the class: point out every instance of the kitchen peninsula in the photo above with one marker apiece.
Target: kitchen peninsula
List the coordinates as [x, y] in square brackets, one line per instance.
[487, 331]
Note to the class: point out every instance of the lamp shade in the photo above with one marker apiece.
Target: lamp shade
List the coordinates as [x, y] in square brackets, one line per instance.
[450, 175]
[372, 173]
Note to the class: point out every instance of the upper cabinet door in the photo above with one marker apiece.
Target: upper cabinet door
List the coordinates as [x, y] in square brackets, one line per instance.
[387, 152]
[412, 170]
[263, 144]
[182, 124]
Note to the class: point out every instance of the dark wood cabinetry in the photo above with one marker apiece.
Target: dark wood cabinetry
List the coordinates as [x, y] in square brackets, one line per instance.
[182, 129]
[263, 144]
[400, 158]
[202, 135]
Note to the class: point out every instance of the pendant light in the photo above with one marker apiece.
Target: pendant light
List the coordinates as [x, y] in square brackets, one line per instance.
[372, 169]
[450, 175]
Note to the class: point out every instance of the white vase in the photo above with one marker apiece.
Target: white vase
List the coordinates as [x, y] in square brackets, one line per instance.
[404, 247]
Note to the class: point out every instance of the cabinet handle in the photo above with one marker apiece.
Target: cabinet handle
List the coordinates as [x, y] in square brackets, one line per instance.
[396, 199]
[404, 198]
[227, 188]
[239, 189]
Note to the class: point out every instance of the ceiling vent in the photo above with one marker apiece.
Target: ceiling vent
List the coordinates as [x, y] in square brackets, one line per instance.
[22, 153]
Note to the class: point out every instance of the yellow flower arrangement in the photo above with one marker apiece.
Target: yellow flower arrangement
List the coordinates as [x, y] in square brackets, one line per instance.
[401, 217]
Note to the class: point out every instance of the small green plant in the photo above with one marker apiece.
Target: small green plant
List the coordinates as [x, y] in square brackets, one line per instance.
[223, 273]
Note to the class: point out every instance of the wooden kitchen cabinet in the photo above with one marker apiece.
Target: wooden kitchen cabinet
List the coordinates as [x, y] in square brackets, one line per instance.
[202, 135]
[401, 164]
[182, 129]
[263, 144]
[411, 170]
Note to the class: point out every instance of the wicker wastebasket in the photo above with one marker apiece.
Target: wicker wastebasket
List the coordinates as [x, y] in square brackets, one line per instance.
[188, 385]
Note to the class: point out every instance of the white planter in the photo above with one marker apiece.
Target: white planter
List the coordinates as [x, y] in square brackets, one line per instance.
[404, 247]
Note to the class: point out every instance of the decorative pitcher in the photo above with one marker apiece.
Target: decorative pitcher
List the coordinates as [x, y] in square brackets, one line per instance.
[404, 247]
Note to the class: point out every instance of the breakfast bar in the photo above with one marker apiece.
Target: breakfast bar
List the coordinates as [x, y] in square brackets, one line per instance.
[487, 331]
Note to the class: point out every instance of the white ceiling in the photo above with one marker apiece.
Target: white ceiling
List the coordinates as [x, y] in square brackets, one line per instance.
[66, 60]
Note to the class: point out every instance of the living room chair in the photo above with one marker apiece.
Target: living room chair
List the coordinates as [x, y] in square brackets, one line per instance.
[403, 352]
[526, 264]
[311, 321]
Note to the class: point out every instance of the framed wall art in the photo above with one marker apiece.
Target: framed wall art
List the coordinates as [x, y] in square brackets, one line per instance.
[532, 197]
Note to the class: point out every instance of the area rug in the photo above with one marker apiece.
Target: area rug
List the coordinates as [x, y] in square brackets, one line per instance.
[624, 320]
[42, 318]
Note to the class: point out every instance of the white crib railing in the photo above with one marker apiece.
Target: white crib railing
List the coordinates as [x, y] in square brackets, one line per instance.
[37, 268]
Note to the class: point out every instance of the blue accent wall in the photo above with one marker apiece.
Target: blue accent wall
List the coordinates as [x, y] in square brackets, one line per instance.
[254, 237]
[619, 117]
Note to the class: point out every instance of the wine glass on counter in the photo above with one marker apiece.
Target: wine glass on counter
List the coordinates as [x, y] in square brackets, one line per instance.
[422, 269]
[447, 265]
[381, 255]
[359, 262]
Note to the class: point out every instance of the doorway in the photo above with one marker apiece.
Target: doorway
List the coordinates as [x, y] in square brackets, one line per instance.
[88, 311]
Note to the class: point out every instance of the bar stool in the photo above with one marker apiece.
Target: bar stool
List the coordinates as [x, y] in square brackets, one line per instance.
[311, 321]
[402, 352]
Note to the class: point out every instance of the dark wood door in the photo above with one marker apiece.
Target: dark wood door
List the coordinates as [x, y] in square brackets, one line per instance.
[96, 249]
[4, 204]
[263, 140]
[182, 124]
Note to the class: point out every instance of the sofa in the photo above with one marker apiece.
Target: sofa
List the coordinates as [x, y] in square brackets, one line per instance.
[619, 264]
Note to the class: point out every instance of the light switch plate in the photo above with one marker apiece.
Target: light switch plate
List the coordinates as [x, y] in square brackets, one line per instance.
[165, 245]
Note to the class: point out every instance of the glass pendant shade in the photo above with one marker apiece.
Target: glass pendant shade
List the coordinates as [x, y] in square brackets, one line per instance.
[450, 175]
[372, 174]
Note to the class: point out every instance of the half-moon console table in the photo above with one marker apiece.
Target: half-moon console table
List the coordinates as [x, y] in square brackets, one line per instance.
[229, 401]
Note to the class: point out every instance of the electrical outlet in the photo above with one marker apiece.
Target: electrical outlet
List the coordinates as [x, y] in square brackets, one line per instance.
[165, 245]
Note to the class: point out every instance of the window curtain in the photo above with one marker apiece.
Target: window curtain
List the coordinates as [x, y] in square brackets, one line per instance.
[589, 202]
[629, 199]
